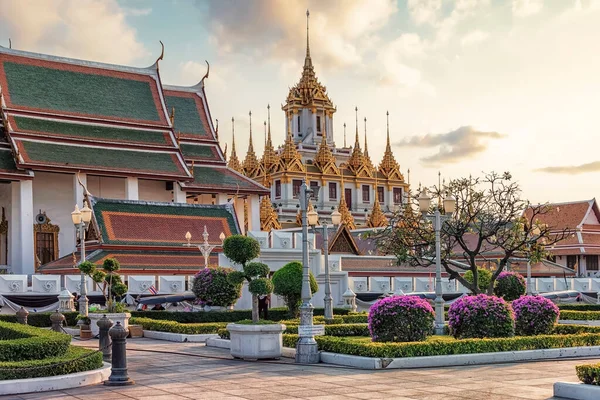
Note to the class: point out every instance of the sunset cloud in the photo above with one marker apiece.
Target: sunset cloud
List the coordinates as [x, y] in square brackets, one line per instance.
[572, 169]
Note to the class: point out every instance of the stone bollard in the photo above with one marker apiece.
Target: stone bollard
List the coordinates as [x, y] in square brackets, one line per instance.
[57, 320]
[105, 343]
[22, 316]
[118, 375]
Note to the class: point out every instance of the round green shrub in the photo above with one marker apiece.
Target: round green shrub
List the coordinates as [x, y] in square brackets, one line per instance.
[119, 289]
[484, 277]
[236, 277]
[212, 286]
[87, 267]
[534, 315]
[481, 316]
[401, 319]
[287, 282]
[510, 286]
[260, 286]
[241, 249]
[257, 269]
[111, 265]
[98, 276]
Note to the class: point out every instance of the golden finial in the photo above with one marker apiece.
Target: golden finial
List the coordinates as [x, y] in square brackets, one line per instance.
[356, 142]
[307, 35]
[207, 70]
[74, 259]
[217, 129]
[377, 218]
[367, 159]
[265, 124]
[172, 115]
[356, 160]
[178, 138]
[9, 43]
[162, 54]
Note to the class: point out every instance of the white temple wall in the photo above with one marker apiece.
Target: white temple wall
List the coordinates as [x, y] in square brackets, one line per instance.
[106, 187]
[154, 191]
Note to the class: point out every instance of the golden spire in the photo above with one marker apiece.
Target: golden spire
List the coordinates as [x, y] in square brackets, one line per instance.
[289, 155]
[307, 59]
[367, 159]
[356, 160]
[377, 219]
[269, 158]
[251, 161]
[345, 135]
[347, 218]
[268, 216]
[324, 159]
[389, 166]
[234, 162]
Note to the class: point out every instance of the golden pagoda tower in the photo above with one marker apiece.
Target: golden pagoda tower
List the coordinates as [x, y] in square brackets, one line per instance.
[268, 216]
[377, 219]
[347, 218]
[234, 162]
[356, 160]
[269, 159]
[368, 162]
[289, 159]
[251, 165]
[389, 167]
[324, 160]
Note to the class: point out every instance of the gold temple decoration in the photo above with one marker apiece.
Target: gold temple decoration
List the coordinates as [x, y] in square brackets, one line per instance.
[289, 159]
[324, 159]
[368, 162]
[268, 215]
[299, 217]
[234, 162]
[46, 228]
[172, 116]
[347, 218]
[356, 162]
[377, 219]
[269, 159]
[389, 167]
[251, 164]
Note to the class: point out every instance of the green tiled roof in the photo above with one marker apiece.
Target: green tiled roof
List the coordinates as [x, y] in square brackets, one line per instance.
[187, 119]
[93, 157]
[199, 151]
[86, 131]
[76, 92]
[220, 177]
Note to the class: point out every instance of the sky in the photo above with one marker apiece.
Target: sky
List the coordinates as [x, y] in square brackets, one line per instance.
[471, 86]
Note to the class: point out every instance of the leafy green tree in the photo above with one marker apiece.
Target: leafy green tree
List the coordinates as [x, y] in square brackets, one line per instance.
[483, 278]
[112, 284]
[287, 282]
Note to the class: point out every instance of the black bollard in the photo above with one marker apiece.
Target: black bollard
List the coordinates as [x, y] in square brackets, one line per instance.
[118, 374]
[105, 343]
[22, 316]
[57, 320]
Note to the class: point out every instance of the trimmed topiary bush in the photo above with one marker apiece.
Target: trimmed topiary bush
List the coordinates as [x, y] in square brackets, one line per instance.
[588, 373]
[287, 282]
[534, 315]
[481, 316]
[401, 319]
[212, 287]
[484, 277]
[510, 285]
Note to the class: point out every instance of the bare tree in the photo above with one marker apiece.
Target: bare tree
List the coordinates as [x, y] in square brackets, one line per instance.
[492, 224]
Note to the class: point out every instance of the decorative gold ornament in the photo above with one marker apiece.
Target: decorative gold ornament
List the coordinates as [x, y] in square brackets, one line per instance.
[377, 219]
[251, 166]
[347, 218]
[389, 167]
[268, 215]
[234, 162]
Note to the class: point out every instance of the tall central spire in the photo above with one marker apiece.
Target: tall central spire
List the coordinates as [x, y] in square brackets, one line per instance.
[307, 59]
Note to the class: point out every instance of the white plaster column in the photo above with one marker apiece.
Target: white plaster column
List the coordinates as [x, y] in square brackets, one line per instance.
[78, 189]
[21, 228]
[179, 195]
[238, 205]
[132, 191]
[294, 125]
[390, 195]
[221, 198]
[254, 213]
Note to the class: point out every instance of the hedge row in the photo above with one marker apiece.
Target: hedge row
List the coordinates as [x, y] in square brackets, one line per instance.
[275, 314]
[337, 330]
[41, 320]
[22, 342]
[579, 307]
[176, 327]
[579, 315]
[74, 360]
[445, 347]
[356, 318]
[588, 373]
[568, 329]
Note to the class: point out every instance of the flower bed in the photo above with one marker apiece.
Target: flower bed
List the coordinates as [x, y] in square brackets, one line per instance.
[534, 315]
[22, 342]
[176, 327]
[481, 316]
[401, 318]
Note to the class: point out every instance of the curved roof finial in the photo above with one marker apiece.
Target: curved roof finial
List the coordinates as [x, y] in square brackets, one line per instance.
[207, 70]
[162, 54]
[9, 43]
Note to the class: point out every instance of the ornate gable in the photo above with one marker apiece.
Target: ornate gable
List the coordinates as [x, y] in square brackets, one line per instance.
[343, 242]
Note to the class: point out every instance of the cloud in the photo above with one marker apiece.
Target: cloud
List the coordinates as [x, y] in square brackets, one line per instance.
[424, 11]
[454, 146]
[340, 31]
[572, 169]
[474, 37]
[87, 29]
[525, 8]
[137, 12]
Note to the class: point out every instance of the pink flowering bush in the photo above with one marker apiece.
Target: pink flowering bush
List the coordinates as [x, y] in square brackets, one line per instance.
[400, 319]
[481, 316]
[510, 286]
[534, 315]
[211, 287]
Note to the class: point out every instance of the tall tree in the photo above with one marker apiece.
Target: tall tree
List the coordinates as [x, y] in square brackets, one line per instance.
[492, 224]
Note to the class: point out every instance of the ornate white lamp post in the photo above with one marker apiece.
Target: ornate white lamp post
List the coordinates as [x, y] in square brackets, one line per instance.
[206, 248]
[81, 218]
[336, 219]
[449, 205]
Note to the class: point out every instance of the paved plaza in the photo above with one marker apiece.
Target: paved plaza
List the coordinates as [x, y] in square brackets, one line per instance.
[165, 370]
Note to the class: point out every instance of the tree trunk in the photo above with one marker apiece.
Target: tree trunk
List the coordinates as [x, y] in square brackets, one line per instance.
[254, 308]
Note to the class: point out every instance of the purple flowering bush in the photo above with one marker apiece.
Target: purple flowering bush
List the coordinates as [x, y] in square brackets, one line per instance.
[211, 287]
[481, 316]
[534, 315]
[400, 319]
[510, 286]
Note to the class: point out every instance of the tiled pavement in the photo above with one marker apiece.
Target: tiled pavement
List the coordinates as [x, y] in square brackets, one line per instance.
[202, 373]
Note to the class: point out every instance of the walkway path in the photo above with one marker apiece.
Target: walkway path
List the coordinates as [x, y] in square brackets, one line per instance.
[206, 373]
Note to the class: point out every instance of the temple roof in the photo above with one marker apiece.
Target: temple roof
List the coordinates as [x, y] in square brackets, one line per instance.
[219, 179]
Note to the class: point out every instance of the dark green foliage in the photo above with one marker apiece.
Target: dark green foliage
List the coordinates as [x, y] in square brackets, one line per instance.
[261, 322]
[41, 320]
[236, 277]
[74, 360]
[87, 267]
[212, 286]
[176, 327]
[568, 329]
[98, 276]
[510, 286]
[22, 342]
[588, 373]
[260, 287]
[484, 277]
[111, 265]
[257, 269]
[287, 283]
[356, 318]
[241, 249]
[579, 315]
[337, 329]
[119, 289]
[579, 307]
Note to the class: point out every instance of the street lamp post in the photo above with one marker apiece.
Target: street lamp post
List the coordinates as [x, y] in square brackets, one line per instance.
[307, 351]
[81, 218]
[449, 204]
[336, 219]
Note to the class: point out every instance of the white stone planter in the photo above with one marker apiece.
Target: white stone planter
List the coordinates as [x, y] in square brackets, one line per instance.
[576, 391]
[123, 318]
[253, 342]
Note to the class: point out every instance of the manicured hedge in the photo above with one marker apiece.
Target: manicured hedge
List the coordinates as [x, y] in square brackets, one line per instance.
[568, 329]
[579, 315]
[74, 360]
[275, 314]
[361, 318]
[579, 307]
[446, 347]
[41, 320]
[337, 330]
[588, 373]
[22, 342]
[176, 327]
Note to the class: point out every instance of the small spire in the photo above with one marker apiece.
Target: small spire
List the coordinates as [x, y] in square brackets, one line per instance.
[265, 123]
[178, 138]
[387, 114]
[251, 164]
[269, 122]
[356, 143]
[389, 167]
[345, 135]
[368, 161]
[234, 162]
[307, 35]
